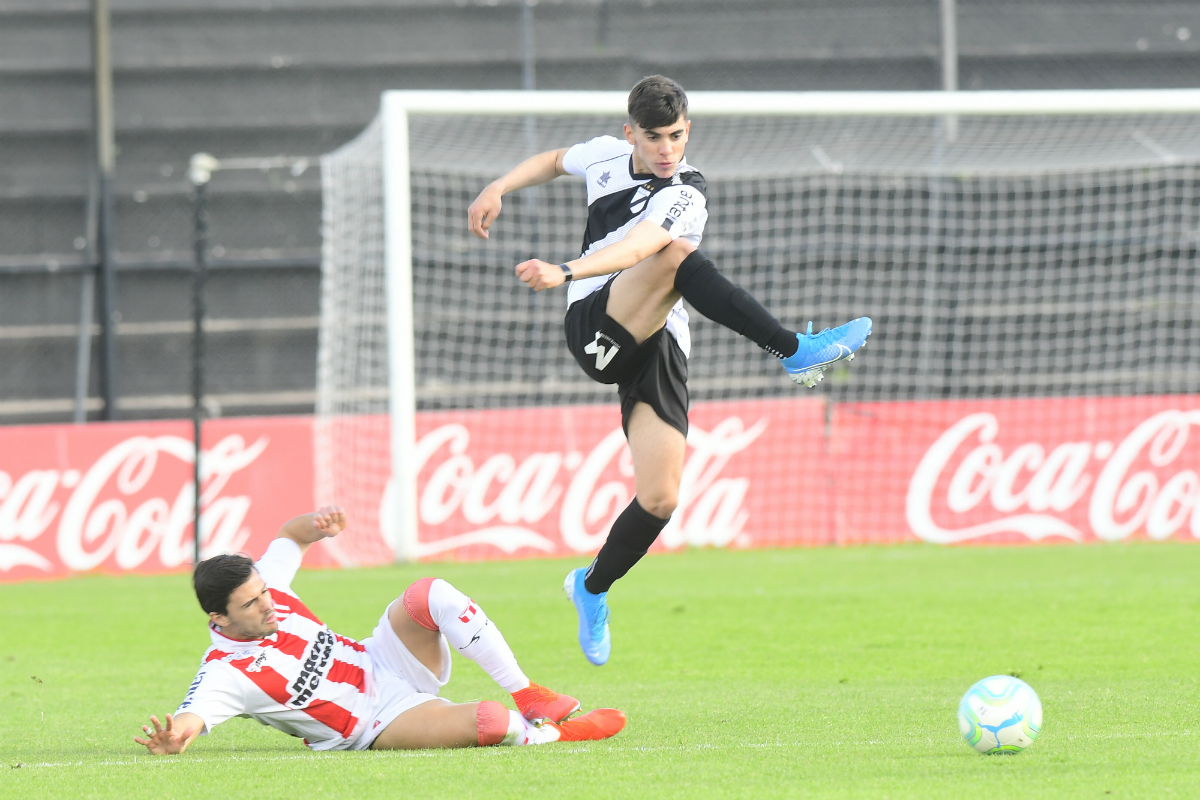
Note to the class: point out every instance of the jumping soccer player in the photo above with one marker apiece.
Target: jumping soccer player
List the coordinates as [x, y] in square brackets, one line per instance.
[625, 320]
[272, 660]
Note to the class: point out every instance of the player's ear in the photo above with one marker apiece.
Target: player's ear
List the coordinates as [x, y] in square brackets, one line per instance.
[629, 133]
[220, 620]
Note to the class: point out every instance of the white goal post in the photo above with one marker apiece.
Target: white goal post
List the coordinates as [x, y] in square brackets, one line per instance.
[997, 149]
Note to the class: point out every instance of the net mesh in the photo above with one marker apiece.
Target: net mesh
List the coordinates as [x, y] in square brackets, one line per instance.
[998, 256]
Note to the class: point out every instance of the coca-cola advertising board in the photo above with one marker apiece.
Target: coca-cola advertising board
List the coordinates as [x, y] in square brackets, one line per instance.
[550, 481]
[118, 497]
[516, 483]
[1018, 471]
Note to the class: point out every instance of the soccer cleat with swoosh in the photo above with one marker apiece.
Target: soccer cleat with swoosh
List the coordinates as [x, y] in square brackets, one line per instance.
[818, 351]
[590, 727]
[594, 637]
[538, 702]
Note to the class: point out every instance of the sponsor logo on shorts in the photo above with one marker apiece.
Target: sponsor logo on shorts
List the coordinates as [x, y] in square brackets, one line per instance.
[604, 354]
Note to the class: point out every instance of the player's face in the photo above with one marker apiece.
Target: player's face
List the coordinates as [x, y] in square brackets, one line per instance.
[250, 613]
[658, 150]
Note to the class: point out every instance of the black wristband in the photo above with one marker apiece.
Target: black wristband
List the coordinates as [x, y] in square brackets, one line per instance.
[567, 274]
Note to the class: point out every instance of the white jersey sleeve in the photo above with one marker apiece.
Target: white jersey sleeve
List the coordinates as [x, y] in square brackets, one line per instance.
[215, 696]
[278, 566]
[681, 209]
[583, 155]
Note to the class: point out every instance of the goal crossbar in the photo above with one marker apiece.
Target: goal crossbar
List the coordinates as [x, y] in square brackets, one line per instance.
[1056, 102]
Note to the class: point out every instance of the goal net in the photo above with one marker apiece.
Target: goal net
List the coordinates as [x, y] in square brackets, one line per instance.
[1007, 245]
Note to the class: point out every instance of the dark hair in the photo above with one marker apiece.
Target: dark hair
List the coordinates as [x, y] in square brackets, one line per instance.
[657, 101]
[214, 579]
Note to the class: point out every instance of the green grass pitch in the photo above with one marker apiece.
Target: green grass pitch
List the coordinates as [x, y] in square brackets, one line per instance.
[806, 673]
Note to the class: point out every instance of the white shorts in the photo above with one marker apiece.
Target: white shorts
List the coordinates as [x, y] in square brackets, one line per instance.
[401, 681]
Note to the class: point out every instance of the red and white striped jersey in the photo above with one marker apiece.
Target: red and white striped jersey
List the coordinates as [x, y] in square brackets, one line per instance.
[305, 680]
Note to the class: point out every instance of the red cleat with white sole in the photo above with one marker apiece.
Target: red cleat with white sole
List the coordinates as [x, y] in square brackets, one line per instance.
[591, 727]
[538, 702]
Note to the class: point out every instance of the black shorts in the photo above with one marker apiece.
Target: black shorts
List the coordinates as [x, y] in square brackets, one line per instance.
[654, 372]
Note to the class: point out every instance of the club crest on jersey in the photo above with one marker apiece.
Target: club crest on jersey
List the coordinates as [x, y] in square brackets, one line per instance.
[603, 354]
[468, 613]
[638, 202]
[604, 179]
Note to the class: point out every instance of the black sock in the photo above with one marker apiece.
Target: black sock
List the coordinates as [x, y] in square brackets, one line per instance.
[711, 293]
[631, 536]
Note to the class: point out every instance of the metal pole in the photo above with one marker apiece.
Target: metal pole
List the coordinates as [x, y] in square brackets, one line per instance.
[528, 54]
[83, 344]
[528, 72]
[950, 61]
[200, 173]
[105, 162]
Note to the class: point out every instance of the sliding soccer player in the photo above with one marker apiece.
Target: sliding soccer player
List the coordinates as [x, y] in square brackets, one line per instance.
[273, 660]
[625, 322]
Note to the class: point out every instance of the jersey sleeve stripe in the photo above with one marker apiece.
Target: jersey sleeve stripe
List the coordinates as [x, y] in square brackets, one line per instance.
[603, 160]
[353, 645]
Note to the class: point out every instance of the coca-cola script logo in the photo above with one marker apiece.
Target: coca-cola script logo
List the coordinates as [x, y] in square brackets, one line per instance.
[508, 503]
[118, 509]
[1141, 485]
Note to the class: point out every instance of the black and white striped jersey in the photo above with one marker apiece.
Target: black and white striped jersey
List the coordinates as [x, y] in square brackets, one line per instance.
[619, 198]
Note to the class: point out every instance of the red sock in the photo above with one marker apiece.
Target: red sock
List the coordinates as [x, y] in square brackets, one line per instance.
[416, 603]
[492, 718]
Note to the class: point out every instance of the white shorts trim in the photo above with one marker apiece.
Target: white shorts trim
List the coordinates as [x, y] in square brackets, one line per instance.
[401, 681]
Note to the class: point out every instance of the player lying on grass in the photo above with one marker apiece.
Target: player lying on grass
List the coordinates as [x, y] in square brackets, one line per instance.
[274, 661]
[625, 318]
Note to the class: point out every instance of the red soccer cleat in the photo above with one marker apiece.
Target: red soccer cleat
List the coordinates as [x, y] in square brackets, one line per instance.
[592, 726]
[538, 702]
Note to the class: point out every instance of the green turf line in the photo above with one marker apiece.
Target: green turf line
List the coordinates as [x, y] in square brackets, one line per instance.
[806, 673]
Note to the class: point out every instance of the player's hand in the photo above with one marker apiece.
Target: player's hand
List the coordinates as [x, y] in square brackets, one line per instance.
[164, 741]
[329, 521]
[539, 275]
[483, 212]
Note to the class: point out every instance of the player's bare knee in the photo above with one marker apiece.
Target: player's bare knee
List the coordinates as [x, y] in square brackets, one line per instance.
[670, 257]
[660, 504]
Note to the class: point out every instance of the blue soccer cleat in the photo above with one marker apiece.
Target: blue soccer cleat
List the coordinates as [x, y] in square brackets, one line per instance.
[594, 637]
[817, 352]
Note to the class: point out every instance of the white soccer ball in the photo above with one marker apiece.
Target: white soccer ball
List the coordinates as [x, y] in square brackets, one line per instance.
[1000, 714]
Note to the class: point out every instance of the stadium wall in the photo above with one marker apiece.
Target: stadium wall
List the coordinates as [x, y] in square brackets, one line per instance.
[116, 498]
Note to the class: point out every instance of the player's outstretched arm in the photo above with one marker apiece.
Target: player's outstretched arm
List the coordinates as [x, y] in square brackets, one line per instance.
[304, 530]
[643, 240]
[173, 738]
[532, 171]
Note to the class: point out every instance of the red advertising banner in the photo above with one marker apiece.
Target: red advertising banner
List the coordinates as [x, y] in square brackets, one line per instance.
[550, 481]
[1018, 471]
[515, 483]
[118, 497]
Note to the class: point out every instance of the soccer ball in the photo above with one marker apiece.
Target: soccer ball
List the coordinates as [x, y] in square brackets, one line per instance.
[1000, 714]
